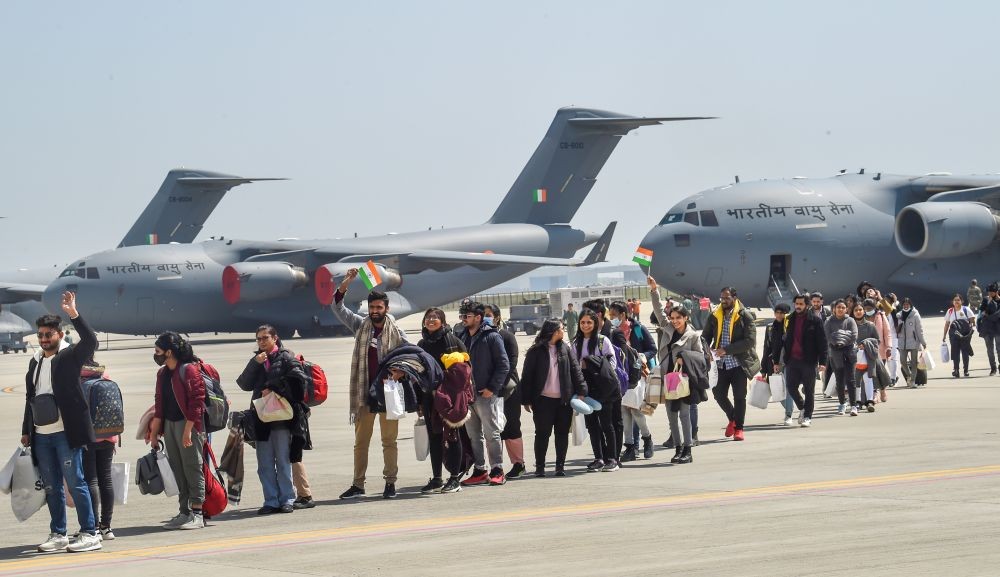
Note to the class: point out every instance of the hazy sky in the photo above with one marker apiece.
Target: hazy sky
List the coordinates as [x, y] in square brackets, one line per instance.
[395, 116]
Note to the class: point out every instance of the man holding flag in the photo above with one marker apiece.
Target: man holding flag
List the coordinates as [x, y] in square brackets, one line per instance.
[374, 336]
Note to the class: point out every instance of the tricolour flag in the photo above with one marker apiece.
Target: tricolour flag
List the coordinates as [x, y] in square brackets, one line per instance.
[541, 194]
[369, 275]
[643, 256]
[152, 239]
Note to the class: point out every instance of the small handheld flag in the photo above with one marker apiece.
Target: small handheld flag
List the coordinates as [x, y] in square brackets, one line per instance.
[643, 256]
[541, 194]
[369, 275]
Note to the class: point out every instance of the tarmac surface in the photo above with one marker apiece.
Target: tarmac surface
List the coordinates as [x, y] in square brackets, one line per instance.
[913, 489]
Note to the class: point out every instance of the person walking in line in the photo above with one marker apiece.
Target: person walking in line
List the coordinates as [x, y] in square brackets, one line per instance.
[842, 336]
[867, 331]
[975, 295]
[511, 434]
[959, 326]
[804, 350]
[57, 426]
[730, 331]
[683, 339]
[551, 376]
[374, 336]
[910, 329]
[602, 386]
[770, 358]
[570, 320]
[886, 340]
[274, 370]
[989, 325]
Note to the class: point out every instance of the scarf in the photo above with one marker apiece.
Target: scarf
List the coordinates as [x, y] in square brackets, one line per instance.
[388, 340]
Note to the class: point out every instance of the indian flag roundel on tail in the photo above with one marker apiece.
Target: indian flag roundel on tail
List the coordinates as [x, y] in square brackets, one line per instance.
[643, 256]
[369, 275]
[541, 194]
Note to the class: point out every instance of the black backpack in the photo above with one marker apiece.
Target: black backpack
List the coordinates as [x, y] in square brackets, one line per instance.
[147, 474]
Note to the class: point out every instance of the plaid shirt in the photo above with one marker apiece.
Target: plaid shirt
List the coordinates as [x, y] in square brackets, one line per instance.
[728, 361]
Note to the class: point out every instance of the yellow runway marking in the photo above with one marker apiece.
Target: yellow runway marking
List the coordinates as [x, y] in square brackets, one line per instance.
[256, 542]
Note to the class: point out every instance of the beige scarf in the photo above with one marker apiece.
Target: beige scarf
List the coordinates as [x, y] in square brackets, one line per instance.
[360, 379]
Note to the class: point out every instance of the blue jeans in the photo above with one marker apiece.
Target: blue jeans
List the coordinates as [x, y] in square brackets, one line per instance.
[275, 469]
[57, 461]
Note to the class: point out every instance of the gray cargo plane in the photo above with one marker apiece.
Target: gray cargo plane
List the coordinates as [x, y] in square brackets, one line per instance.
[235, 285]
[919, 236]
[175, 214]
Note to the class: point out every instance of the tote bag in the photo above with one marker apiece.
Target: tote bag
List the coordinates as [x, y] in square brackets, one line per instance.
[273, 407]
[778, 391]
[676, 384]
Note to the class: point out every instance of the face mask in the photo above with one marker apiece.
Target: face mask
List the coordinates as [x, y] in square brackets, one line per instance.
[159, 359]
[616, 323]
[869, 313]
[488, 321]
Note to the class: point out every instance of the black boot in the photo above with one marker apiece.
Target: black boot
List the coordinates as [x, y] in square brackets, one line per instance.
[669, 443]
[685, 456]
[678, 451]
[629, 454]
[647, 447]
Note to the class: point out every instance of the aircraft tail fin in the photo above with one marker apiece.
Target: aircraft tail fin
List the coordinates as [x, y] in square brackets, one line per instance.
[564, 167]
[181, 206]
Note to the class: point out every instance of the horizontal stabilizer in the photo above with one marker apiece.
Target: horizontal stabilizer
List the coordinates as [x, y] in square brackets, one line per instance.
[985, 194]
[17, 292]
[632, 123]
[599, 253]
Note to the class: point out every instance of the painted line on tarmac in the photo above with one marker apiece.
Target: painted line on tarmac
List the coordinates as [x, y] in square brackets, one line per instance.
[49, 563]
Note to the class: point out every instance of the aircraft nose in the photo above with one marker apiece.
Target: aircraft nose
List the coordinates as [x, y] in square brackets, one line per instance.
[52, 295]
[654, 247]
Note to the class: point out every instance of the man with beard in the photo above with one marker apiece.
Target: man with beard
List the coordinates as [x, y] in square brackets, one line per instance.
[374, 336]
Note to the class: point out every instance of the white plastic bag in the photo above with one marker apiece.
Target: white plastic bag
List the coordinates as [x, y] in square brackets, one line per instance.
[421, 440]
[395, 408]
[945, 356]
[27, 492]
[928, 358]
[862, 362]
[869, 385]
[760, 393]
[831, 388]
[579, 428]
[167, 474]
[119, 480]
[7, 473]
[778, 391]
[713, 374]
[633, 397]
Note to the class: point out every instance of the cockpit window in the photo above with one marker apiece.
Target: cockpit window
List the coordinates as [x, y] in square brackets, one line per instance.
[672, 217]
[72, 272]
[691, 218]
[92, 273]
[708, 218]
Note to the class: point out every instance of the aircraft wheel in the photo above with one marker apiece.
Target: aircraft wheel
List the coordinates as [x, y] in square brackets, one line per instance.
[530, 330]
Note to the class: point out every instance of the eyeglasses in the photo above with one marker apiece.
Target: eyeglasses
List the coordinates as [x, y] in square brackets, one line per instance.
[264, 338]
[46, 335]
[467, 316]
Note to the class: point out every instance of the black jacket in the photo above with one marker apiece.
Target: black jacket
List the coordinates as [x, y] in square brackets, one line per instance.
[510, 345]
[536, 371]
[441, 342]
[284, 376]
[490, 365]
[814, 346]
[73, 408]
[773, 345]
[989, 324]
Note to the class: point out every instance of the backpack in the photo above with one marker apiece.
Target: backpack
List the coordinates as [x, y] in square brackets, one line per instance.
[216, 403]
[215, 488]
[107, 412]
[601, 374]
[316, 388]
[622, 364]
[147, 474]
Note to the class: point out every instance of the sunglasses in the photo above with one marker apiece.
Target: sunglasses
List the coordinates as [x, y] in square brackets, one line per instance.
[46, 335]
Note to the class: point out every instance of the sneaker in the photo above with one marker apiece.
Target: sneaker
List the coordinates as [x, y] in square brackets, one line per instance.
[267, 510]
[595, 466]
[539, 472]
[106, 534]
[390, 491]
[788, 420]
[854, 411]
[84, 542]
[304, 503]
[516, 471]
[993, 372]
[629, 454]
[871, 408]
[177, 521]
[806, 423]
[479, 477]
[841, 409]
[497, 477]
[966, 373]
[738, 435]
[433, 485]
[55, 542]
[954, 374]
[560, 472]
[287, 508]
[610, 467]
[802, 417]
[731, 429]
[452, 486]
[196, 522]
[352, 493]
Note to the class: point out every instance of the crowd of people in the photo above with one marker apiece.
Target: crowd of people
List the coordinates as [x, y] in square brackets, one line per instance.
[598, 369]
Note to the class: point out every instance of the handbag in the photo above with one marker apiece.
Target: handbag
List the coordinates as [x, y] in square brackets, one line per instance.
[676, 384]
[421, 440]
[654, 388]
[633, 397]
[273, 407]
[760, 393]
[777, 385]
[44, 410]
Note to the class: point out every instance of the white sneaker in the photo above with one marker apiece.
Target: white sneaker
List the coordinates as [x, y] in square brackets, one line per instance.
[197, 521]
[107, 534]
[806, 423]
[84, 542]
[841, 409]
[55, 542]
[177, 521]
[788, 421]
[854, 411]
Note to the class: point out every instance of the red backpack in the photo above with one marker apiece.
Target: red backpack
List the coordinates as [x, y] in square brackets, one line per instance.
[316, 388]
[215, 488]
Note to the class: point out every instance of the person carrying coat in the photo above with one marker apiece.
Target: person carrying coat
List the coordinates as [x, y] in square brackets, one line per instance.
[911, 341]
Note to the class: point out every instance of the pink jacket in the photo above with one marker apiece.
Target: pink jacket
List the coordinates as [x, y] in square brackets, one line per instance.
[882, 326]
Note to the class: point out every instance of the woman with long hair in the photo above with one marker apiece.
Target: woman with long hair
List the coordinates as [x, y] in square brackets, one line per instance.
[842, 336]
[866, 330]
[682, 337]
[959, 326]
[550, 378]
[590, 344]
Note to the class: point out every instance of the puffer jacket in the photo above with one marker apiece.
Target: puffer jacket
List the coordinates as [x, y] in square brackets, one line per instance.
[910, 331]
[282, 374]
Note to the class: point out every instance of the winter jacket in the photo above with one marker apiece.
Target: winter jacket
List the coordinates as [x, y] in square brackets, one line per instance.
[640, 339]
[842, 336]
[283, 375]
[814, 345]
[423, 375]
[989, 324]
[536, 371]
[73, 408]
[689, 348]
[440, 342]
[774, 341]
[452, 400]
[910, 331]
[882, 326]
[743, 336]
[490, 364]
[510, 346]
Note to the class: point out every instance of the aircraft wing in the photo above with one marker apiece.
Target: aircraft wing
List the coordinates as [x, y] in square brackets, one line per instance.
[985, 194]
[17, 292]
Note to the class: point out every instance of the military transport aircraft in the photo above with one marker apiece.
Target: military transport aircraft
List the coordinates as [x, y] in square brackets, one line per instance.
[919, 236]
[175, 214]
[234, 285]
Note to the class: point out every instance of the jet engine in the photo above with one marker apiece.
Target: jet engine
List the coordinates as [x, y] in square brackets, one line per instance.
[260, 281]
[328, 276]
[930, 230]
